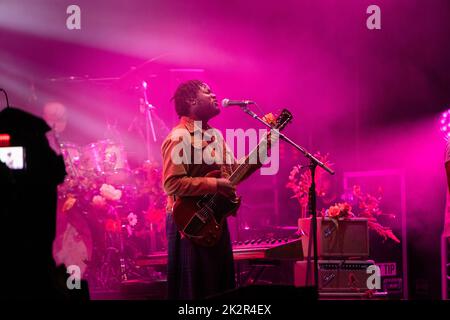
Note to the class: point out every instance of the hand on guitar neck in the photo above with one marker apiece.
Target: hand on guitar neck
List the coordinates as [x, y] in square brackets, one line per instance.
[225, 188]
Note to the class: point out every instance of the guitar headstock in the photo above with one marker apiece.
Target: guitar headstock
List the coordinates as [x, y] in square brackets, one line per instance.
[278, 122]
[283, 119]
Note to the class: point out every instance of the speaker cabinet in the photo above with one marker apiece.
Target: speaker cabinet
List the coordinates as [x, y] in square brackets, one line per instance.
[336, 275]
[345, 238]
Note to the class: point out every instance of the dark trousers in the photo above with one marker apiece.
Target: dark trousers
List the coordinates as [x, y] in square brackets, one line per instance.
[196, 272]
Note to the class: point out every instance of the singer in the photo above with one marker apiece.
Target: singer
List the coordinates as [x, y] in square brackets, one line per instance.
[195, 271]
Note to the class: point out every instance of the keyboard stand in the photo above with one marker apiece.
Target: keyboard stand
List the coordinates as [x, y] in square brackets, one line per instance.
[257, 268]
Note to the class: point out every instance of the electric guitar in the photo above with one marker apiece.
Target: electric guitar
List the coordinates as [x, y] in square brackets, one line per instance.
[201, 218]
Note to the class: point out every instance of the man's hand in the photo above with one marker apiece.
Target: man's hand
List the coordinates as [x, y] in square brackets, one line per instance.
[225, 188]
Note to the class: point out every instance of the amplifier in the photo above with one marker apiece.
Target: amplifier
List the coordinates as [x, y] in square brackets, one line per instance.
[336, 275]
[348, 239]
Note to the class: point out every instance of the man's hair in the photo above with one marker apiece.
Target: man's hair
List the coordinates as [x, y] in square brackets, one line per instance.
[186, 91]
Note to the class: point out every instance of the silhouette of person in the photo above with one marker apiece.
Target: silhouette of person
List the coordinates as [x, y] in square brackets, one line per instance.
[28, 211]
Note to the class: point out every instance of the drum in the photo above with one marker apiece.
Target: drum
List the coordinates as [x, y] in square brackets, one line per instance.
[73, 243]
[71, 154]
[105, 157]
[120, 177]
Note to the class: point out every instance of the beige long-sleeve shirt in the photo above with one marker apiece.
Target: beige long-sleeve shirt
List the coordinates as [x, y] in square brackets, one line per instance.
[184, 174]
[188, 177]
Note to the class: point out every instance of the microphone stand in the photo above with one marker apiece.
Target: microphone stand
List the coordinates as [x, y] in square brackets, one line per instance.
[149, 121]
[149, 125]
[313, 163]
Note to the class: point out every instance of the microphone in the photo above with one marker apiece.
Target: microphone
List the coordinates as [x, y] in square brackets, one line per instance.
[240, 103]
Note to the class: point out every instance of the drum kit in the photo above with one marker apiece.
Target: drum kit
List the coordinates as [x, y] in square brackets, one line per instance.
[108, 213]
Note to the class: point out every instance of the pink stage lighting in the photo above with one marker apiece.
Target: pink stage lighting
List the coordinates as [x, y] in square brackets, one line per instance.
[445, 124]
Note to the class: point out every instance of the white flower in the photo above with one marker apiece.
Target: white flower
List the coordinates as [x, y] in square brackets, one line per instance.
[132, 219]
[110, 193]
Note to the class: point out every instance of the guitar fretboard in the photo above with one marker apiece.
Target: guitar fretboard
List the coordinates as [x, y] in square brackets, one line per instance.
[250, 161]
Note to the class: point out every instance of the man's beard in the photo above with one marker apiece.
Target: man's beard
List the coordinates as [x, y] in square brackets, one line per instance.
[206, 112]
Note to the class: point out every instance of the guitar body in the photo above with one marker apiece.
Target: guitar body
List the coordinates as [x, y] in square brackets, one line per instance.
[198, 221]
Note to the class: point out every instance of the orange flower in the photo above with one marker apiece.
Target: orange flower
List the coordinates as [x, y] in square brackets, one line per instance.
[270, 119]
[334, 211]
[69, 203]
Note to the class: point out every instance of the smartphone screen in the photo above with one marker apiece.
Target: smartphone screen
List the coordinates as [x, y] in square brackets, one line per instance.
[13, 157]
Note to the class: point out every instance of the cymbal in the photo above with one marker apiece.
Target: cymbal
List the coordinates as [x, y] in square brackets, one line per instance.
[143, 66]
[136, 74]
[85, 78]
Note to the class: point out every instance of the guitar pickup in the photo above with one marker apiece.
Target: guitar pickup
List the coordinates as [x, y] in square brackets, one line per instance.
[203, 217]
[195, 225]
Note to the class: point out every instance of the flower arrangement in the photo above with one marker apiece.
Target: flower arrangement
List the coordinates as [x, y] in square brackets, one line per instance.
[368, 206]
[365, 205]
[299, 183]
[340, 210]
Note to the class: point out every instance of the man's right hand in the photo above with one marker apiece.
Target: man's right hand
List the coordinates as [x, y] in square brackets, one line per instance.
[225, 188]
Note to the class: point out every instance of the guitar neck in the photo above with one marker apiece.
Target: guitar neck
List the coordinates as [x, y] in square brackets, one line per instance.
[250, 162]
[257, 156]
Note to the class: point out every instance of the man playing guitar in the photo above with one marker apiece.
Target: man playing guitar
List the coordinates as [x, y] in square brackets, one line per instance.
[195, 271]
[201, 194]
